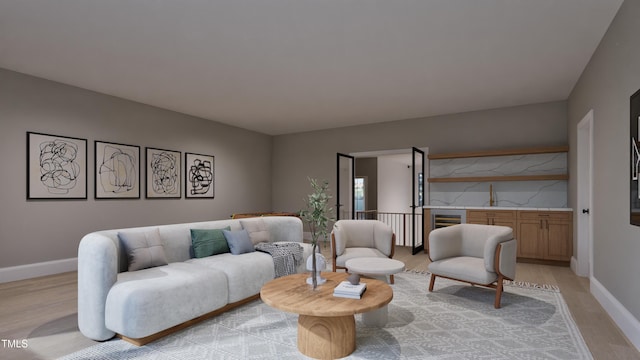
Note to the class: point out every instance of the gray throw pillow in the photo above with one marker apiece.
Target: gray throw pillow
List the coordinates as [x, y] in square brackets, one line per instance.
[239, 241]
[144, 249]
[207, 242]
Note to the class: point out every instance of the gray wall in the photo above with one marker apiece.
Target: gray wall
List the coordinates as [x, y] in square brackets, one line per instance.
[612, 76]
[313, 154]
[38, 231]
[254, 172]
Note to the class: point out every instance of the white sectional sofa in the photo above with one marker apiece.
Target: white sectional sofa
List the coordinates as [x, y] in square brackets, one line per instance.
[144, 304]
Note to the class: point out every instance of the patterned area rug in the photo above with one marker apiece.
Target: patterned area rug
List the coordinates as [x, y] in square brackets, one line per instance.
[456, 321]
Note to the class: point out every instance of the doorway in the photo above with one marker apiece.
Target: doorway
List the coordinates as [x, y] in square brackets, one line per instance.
[393, 190]
[583, 265]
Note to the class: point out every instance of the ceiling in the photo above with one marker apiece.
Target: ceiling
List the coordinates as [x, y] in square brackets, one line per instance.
[286, 66]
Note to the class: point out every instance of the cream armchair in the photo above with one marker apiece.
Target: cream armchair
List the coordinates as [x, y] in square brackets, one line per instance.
[361, 238]
[478, 254]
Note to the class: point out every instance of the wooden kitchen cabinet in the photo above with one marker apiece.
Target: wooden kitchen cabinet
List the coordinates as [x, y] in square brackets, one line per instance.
[545, 235]
[494, 217]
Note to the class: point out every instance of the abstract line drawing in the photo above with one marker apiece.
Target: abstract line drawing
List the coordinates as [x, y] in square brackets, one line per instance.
[634, 156]
[163, 173]
[117, 171]
[57, 167]
[199, 176]
[635, 159]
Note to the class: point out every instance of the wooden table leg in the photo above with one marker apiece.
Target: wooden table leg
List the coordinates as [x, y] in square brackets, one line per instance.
[326, 337]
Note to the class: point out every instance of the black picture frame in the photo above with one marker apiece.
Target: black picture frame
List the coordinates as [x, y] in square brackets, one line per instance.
[117, 171]
[56, 167]
[163, 174]
[199, 178]
[634, 189]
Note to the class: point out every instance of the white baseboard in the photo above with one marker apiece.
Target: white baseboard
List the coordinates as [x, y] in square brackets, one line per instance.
[629, 325]
[29, 271]
[574, 265]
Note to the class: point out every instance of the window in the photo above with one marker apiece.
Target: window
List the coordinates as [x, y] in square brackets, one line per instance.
[360, 191]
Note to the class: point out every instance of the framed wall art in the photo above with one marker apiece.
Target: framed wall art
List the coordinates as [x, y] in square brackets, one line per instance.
[199, 176]
[634, 190]
[117, 171]
[56, 167]
[163, 174]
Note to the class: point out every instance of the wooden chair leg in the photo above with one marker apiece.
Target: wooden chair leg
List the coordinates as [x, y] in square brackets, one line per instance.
[498, 292]
[391, 279]
[432, 282]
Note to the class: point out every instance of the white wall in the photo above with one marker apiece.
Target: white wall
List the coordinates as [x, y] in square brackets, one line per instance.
[394, 185]
[33, 231]
[611, 77]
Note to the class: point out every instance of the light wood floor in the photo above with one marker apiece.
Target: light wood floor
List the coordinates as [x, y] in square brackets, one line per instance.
[44, 311]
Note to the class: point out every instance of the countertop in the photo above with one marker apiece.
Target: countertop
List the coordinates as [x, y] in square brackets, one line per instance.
[494, 208]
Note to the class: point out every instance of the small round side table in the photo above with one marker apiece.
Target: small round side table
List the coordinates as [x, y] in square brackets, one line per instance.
[375, 267]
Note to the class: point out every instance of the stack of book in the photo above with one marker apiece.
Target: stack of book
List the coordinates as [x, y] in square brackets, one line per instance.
[347, 290]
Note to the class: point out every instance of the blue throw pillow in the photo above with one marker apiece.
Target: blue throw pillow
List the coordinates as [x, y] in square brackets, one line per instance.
[239, 241]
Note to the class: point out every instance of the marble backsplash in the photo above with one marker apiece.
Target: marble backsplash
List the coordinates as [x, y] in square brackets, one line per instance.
[537, 194]
[543, 193]
[534, 164]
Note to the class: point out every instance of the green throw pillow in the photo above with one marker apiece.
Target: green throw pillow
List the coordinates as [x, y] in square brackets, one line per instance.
[207, 242]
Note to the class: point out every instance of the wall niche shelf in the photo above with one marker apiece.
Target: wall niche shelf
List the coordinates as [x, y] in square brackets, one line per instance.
[500, 178]
[529, 151]
[497, 153]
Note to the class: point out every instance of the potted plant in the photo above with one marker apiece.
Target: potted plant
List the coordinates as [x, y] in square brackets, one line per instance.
[317, 215]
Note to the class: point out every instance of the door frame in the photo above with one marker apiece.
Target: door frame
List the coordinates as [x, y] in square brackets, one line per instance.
[353, 177]
[583, 264]
[415, 204]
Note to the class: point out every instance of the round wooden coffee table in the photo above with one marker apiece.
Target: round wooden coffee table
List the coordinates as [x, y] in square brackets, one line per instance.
[326, 324]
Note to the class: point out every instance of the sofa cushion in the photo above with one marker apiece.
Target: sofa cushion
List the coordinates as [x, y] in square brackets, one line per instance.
[466, 268]
[145, 302]
[246, 273]
[144, 249]
[207, 242]
[257, 230]
[239, 241]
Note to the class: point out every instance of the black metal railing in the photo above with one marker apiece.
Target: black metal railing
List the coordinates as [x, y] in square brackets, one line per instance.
[401, 223]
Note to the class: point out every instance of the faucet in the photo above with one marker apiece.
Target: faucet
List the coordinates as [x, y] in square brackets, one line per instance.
[491, 199]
